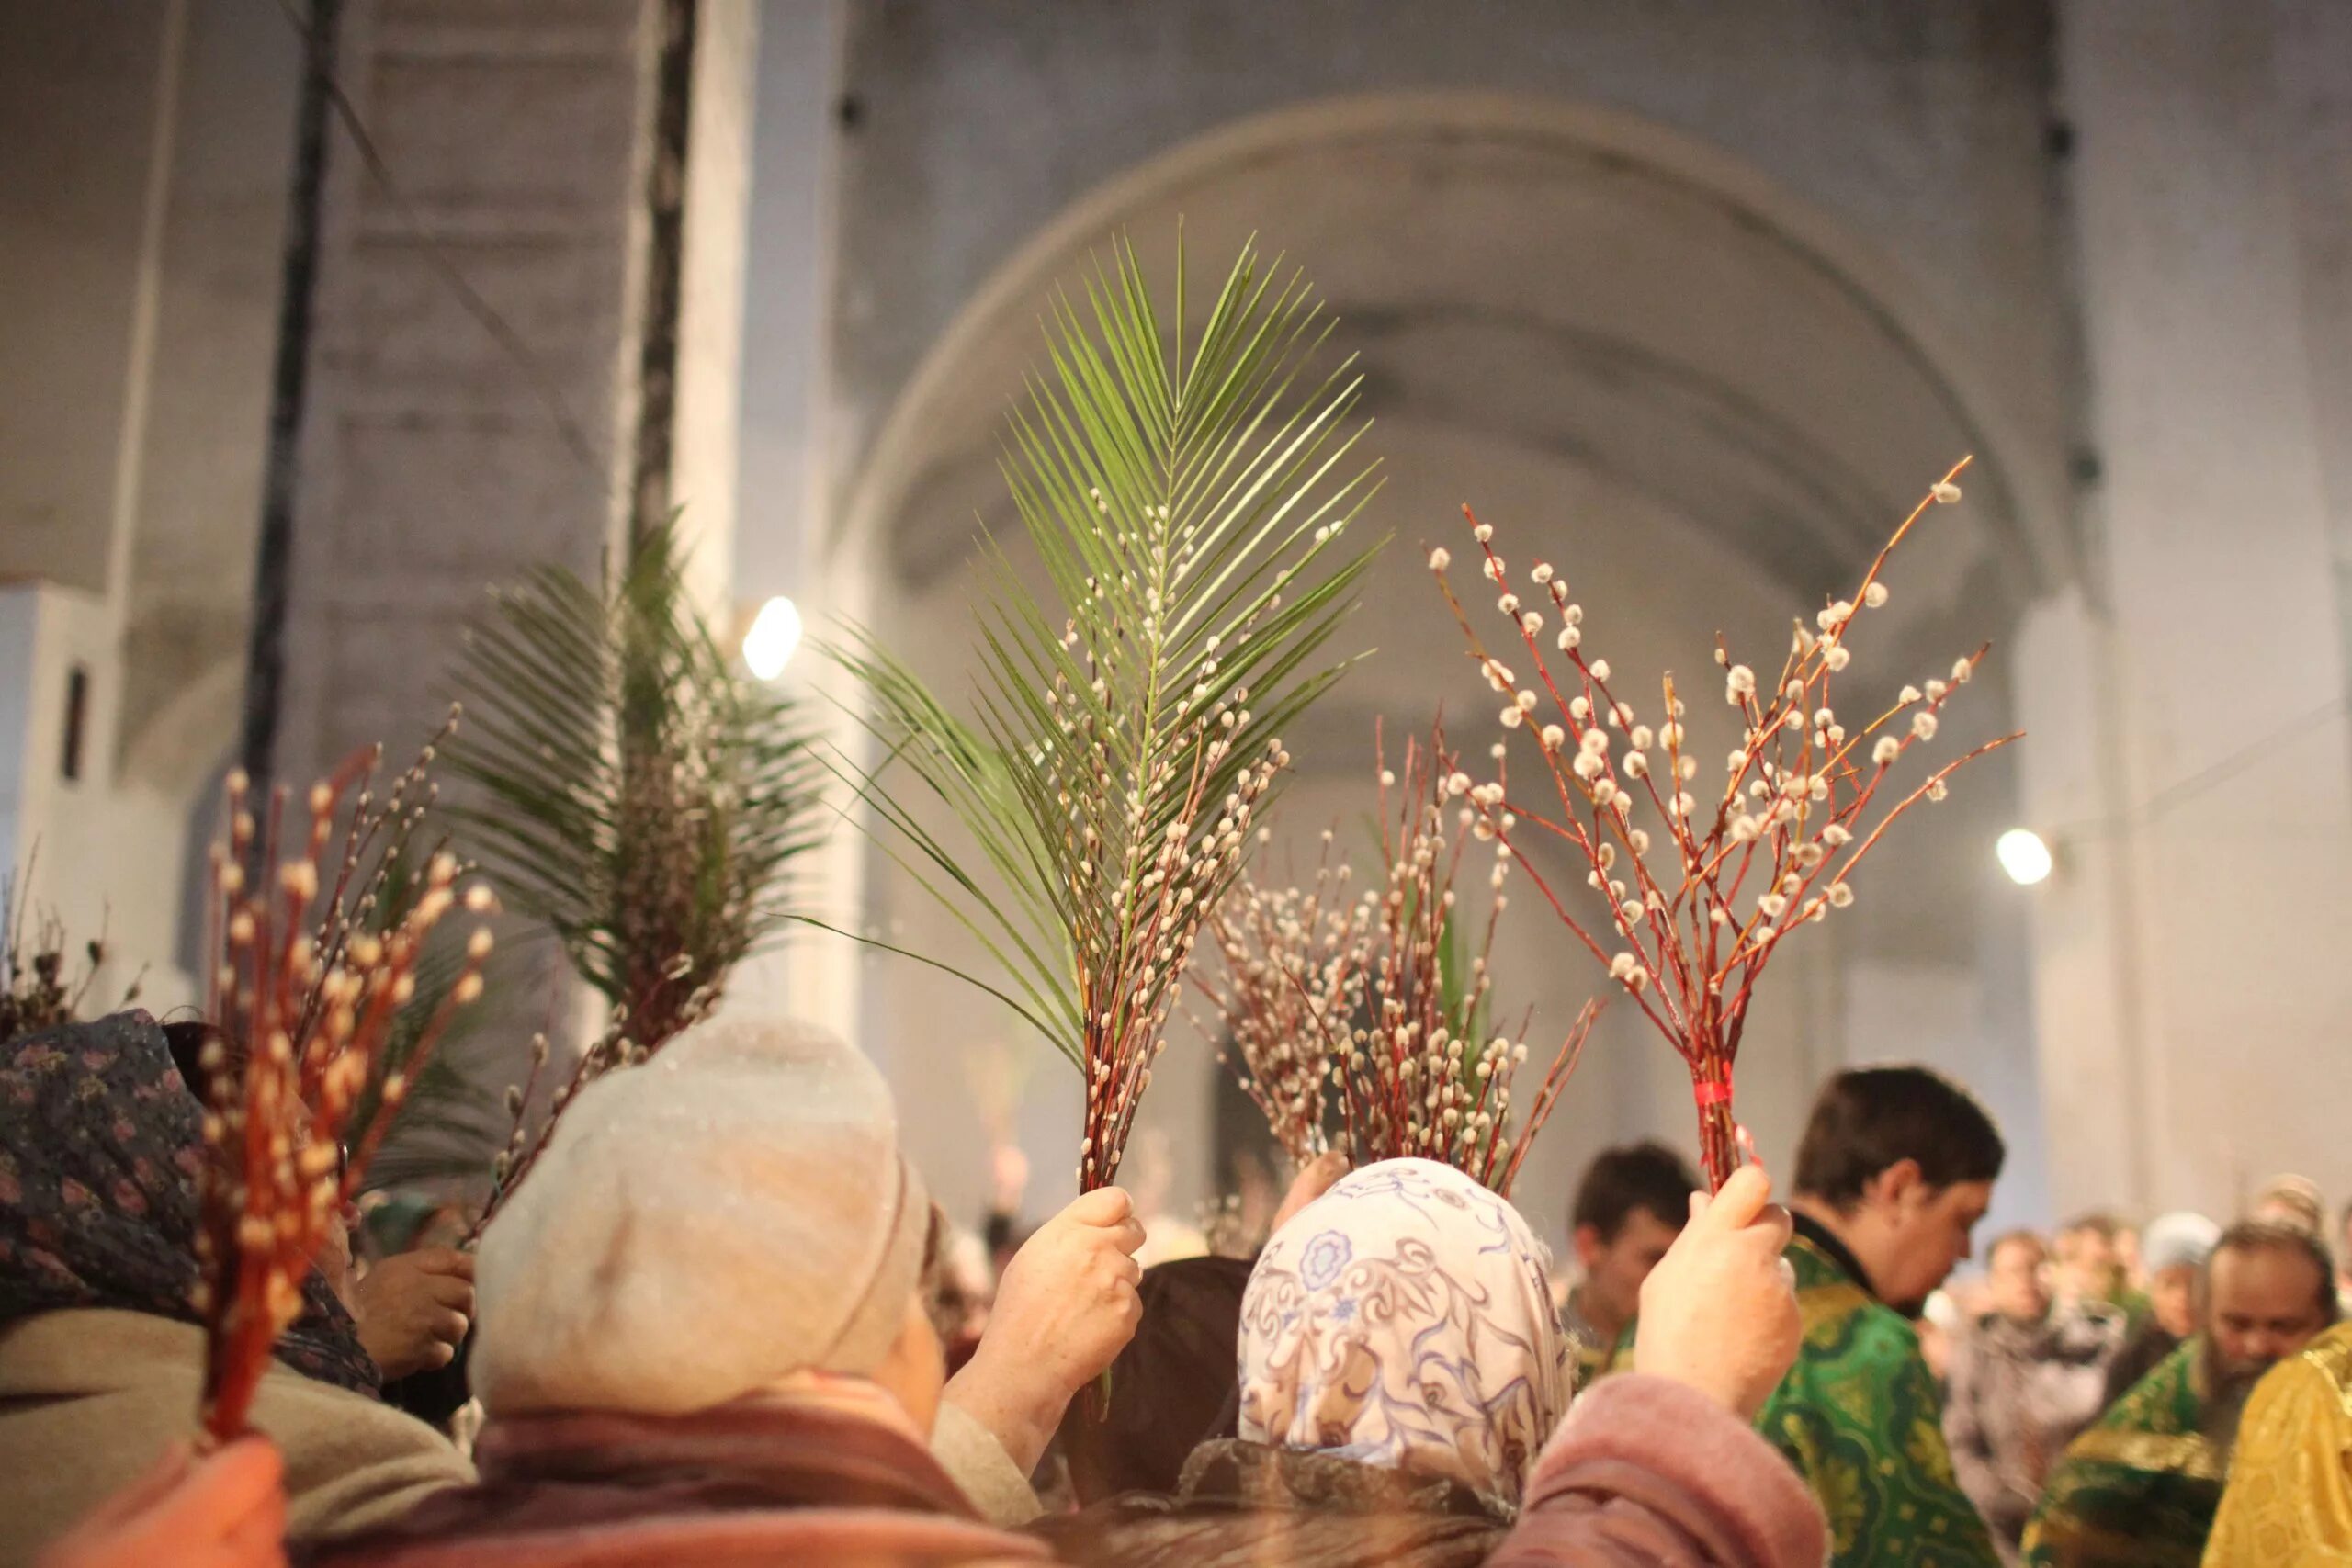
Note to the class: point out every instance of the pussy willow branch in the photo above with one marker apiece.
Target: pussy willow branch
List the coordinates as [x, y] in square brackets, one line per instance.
[304, 1001]
[1810, 796]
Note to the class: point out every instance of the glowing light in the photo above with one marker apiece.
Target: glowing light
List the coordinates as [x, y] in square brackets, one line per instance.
[2024, 856]
[775, 636]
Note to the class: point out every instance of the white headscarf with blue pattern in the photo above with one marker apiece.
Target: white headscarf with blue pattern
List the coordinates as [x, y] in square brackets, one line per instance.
[1404, 1320]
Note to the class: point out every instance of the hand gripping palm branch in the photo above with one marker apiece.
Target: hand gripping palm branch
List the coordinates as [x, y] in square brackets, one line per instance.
[1187, 499]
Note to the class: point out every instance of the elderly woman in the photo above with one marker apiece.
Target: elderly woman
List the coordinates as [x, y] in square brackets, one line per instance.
[1404, 1381]
[704, 1337]
[100, 1350]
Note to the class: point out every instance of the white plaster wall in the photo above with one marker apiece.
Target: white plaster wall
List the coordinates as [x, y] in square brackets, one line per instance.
[188, 552]
[87, 851]
[140, 202]
[2215, 623]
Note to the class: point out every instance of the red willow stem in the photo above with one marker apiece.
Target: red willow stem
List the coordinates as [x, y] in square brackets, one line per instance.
[297, 1039]
[1806, 784]
[1423, 1074]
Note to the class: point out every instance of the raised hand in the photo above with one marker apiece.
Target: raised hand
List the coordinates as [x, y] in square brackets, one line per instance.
[1065, 1309]
[1720, 1312]
[414, 1308]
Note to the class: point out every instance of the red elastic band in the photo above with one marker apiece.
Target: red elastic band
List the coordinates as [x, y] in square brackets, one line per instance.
[1710, 1093]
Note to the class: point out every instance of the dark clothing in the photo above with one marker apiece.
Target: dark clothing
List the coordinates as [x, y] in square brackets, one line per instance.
[1171, 1389]
[1644, 1470]
[2144, 1349]
[1826, 1242]
[749, 1482]
[100, 1145]
[434, 1397]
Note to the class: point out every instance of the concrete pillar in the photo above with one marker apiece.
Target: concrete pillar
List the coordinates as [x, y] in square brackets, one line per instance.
[2204, 674]
[440, 453]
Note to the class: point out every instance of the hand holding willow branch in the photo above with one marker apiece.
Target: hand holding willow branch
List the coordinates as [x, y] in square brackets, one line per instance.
[1379, 1004]
[1687, 931]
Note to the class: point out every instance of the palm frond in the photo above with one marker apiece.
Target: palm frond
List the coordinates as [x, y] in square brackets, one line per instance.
[449, 1129]
[1186, 499]
[644, 798]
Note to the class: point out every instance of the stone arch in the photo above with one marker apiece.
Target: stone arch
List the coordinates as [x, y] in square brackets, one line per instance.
[1627, 346]
[2019, 474]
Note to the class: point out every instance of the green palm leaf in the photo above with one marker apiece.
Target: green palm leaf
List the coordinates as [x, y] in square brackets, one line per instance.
[642, 797]
[1186, 501]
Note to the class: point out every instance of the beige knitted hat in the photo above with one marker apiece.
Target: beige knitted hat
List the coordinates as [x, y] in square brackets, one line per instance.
[733, 1210]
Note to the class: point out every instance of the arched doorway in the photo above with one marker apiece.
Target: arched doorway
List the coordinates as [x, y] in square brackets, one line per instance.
[1701, 399]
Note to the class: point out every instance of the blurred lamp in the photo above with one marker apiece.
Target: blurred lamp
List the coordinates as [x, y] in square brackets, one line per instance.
[2024, 856]
[775, 633]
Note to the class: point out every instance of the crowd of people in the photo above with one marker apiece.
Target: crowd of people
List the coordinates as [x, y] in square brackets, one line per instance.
[723, 1322]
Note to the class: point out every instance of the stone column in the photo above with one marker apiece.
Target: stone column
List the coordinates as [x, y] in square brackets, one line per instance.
[476, 404]
[477, 353]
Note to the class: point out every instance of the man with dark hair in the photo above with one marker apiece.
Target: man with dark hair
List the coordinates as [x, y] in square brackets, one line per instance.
[1629, 1206]
[2141, 1488]
[1896, 1166]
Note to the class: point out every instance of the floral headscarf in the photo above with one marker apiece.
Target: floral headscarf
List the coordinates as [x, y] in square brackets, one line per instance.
[1404, 1320]
[100, 1143]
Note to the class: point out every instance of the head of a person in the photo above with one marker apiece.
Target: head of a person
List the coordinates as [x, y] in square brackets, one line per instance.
[959, 1289]
[2173, 1251]
[104, 1140]
[2268, 1289]
[1629, 1208]
[1903, 1160]
[732, 1218]
[2015, 1277]
[1171, 1387]
[2291, 1199]
[2090, 1264]
[1404, 1319]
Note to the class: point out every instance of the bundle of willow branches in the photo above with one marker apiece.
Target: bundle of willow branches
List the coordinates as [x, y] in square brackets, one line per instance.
[1187, 507]
[1686, 929]
[1293, 971]
[1383, 1001]
[306, 997]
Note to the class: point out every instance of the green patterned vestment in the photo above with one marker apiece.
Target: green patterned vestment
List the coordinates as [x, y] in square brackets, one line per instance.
[2140, 1486]
[1860, 1416]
